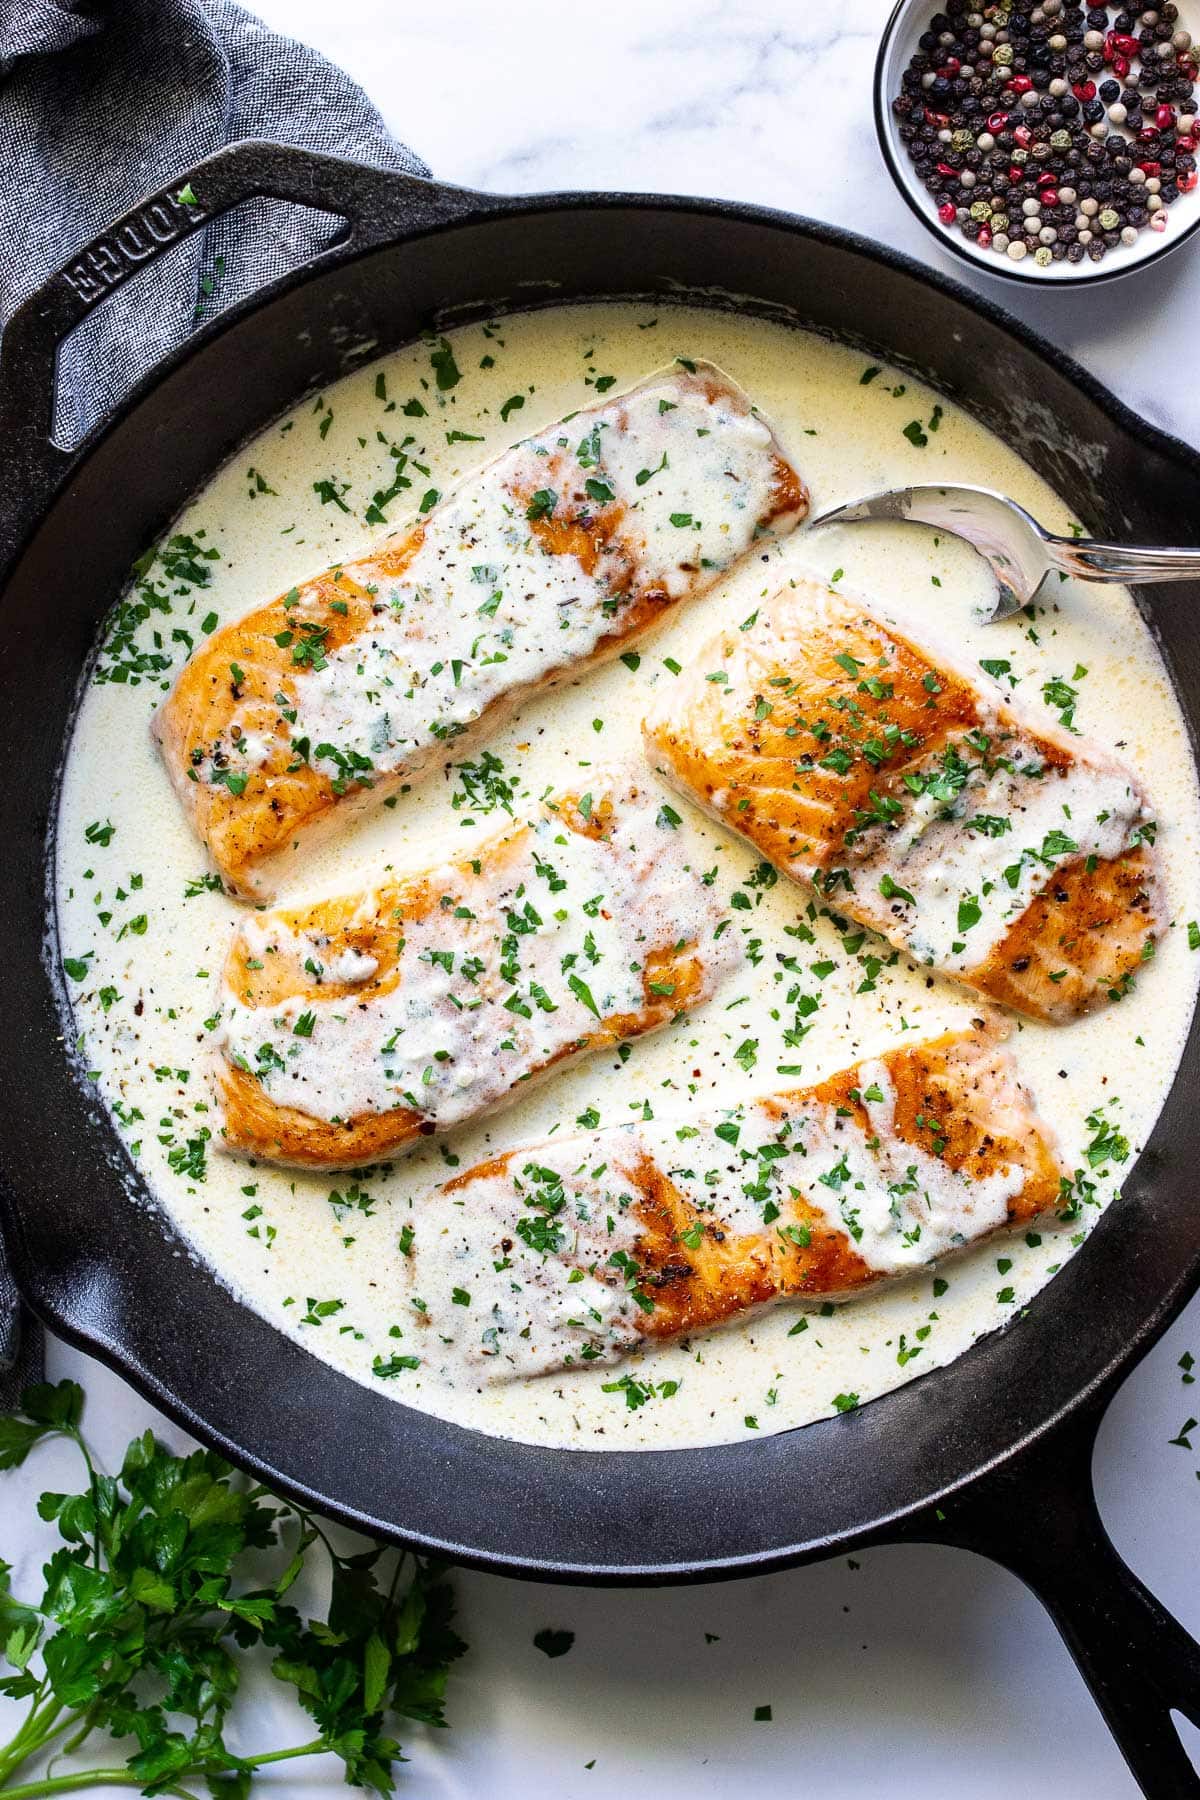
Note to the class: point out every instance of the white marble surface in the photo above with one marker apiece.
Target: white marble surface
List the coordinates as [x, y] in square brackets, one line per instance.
[918, 1672]
[763, 100]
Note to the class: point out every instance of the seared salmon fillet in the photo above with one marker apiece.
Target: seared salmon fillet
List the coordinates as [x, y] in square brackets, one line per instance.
[560, 552]
[917, 799]
[353, 1027]
[581, 1249]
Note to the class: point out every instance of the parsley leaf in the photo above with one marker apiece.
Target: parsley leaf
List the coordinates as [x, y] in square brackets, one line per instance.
[166, 1573]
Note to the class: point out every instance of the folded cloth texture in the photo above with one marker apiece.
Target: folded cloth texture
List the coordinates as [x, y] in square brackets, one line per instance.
[102, 102]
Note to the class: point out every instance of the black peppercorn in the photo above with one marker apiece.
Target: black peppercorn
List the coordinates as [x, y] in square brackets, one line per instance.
[942, 105]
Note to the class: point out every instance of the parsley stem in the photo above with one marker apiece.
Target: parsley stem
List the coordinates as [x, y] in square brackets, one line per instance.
[315, 1748]
[146, 1584]
[85, 1731]
[311, 1524]
[38, 1730]
[87, 1778]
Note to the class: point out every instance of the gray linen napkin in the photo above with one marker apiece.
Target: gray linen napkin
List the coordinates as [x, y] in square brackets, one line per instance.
[102, 101]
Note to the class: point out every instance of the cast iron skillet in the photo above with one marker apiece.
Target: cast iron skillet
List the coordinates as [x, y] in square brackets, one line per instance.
[992, 1453]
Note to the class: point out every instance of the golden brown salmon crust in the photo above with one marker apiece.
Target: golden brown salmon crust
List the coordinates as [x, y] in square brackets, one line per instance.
[372, 925]
[956, 1080]
[814, 731]
[244, 677]
[957, 1093]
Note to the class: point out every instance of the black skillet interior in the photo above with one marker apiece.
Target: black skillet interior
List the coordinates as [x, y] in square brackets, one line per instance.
[955, 1455]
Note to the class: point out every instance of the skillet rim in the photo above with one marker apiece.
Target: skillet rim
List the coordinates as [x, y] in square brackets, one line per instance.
[1167, 1301]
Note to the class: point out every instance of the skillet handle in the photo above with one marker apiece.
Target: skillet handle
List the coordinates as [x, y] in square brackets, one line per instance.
[376, 204]
[1038, 1518]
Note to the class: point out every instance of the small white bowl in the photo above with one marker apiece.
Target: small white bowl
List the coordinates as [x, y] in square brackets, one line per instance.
[900, 40]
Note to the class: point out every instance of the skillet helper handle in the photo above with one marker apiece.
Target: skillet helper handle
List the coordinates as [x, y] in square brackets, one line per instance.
[376, 204]
[1038, 1518]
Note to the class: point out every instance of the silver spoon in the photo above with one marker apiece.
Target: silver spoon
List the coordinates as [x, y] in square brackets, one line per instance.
[1020, 553]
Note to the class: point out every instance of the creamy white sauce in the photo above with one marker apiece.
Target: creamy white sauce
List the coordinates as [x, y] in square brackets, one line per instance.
[510, 969]
[482, 609]
[321, 1257]
[532, 1267]
[917, 877]
[1050, 817]
[1054, 819]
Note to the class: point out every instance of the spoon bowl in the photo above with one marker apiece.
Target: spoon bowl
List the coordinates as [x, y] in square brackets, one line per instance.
[1020, 552]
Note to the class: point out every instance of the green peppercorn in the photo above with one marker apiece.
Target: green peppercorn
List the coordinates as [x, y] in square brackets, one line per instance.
[984, 181]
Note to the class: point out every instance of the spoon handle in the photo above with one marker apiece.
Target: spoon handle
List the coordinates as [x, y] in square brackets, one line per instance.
[1090, 560]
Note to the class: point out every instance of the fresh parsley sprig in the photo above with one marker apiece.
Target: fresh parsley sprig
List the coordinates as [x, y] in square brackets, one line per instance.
[147, 1609]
